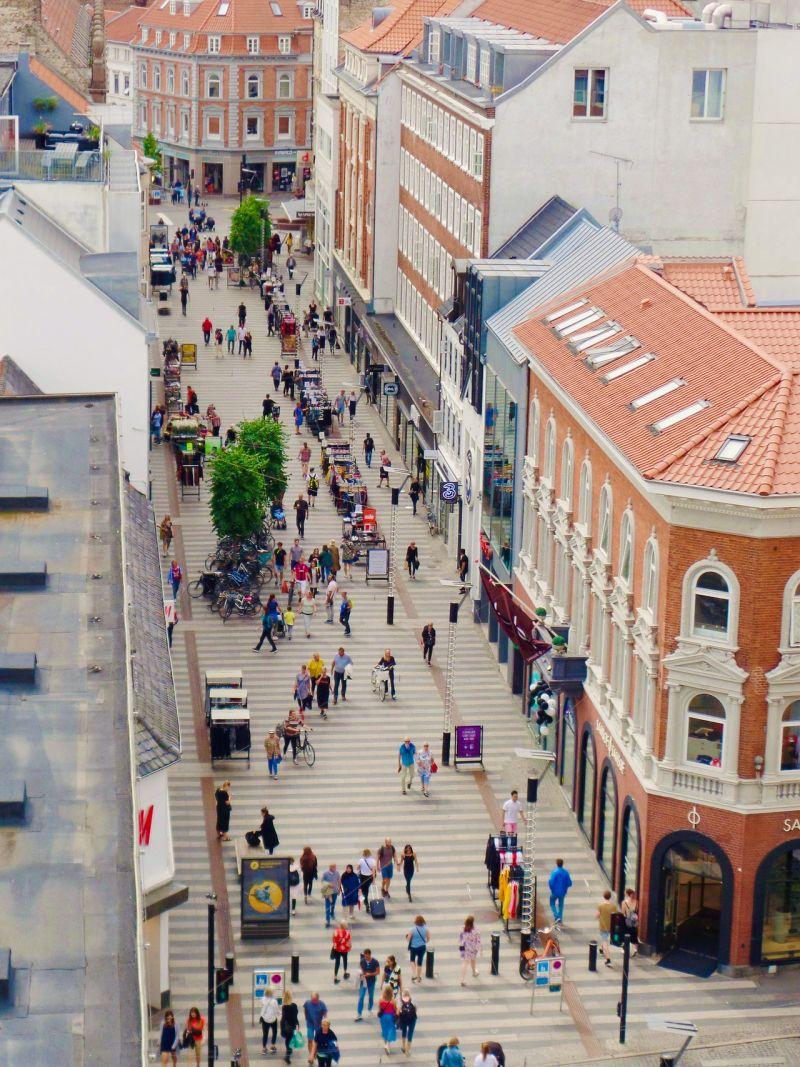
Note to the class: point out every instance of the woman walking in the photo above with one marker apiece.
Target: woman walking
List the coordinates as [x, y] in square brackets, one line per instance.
[323, 693]
[410, 865]
[351, 884]
[412, 560]
[469, 945]
[175, 576]
[387, 858]
[366, 874]
[486, 1058]
[294, 883]
[166, 533]
[195, 1025]
[170, 1041]
[308, 610]
[268, 1017]
[408, 1021]
[630, 909]
[425, 768]
[428, 641]
[222, 798]
[289, 1022]
[269, 835]
[272, 746]
[308, 865]
[392, 975]
[342, 943]
[417, 937]
[452, 1056]
[297, 416]
[387, 1014]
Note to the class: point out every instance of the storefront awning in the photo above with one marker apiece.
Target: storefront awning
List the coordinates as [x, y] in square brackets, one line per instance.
[514, 621]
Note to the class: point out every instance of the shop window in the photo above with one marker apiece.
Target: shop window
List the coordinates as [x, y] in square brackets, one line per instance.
[710, 606]
[790, 738]
[587, 785]
[626, 549]
[607, 828]
[566, 474]
[630, 849]
[585, 497]
[604, 540]
[705, 731]
[650, 578]
[780, 936]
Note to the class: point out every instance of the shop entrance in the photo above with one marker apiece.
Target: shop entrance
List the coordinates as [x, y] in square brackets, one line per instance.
[212, 179]
[282, 177]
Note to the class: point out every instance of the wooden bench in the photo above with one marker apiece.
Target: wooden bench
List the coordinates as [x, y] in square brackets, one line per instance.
[246, 852]
[17, 666]
[14, 575]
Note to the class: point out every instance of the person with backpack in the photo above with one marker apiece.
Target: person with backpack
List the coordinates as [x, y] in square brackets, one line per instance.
[312, 485]
[294, 884]
[451, 1055]
[268, 620]
[407, 1017]
[325, 1046]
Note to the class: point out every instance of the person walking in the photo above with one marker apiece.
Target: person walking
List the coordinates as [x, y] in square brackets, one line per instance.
[267, 623]
[276, 375]
[156, 424]
[349, 556]
[410, 864]
[169, 1042]
[218, 339]
[230, 337]
[331, 589]
[387, 662]
[605, 909]
[344, 616]
[426, 767]
[406, 758]
[269, 835]
[469, 947]
[417, 937]
[452, 1055]
[387, 1017]
[339, 405]
[301, 514]
[330, 886]
[184, 293]
[272, 747]
[308, 867]
[485, 1058]
[308, 610]
[407, 1018]
[428, 641]
[392, 975]
[413, 491]
[211, 272]
[513, 811]
[294, 883]
[314, 1011]
[370, 969]
[268, 1017]
[366, 872]
[279, 562]
[171, 619]
[302, 688]
[207, 326]
[242, 313]
[291, 263]
[352, 400]
[312, 486]
[222, 800]
[351, 884]
[325, 1046]
[369, 448]
[340, 668]
[175, 576]
[165, 534]
[287, 377]
[271, 333]
[323, 693]
[297, 416]
[315, 669]
[559, 884]
[289, 1022]
[305, 458]
[412, 560]
[630, 909]
[387, 860]
[240, 334]
[463, 566]
[267, 406]
[340, 950]
[214, 420]
[194, 1029]
[291, 728]
[289, 243]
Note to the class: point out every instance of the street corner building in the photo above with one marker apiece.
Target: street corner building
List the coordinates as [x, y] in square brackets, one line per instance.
[87, 730]
[659, 540]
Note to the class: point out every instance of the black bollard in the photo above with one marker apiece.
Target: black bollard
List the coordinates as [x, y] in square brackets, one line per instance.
[495, 964]
[592, 955]
[230, 964]
[295, 969]
[429, 962]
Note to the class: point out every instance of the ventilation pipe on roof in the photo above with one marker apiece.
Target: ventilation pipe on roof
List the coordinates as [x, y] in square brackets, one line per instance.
[708, 11]
[652, 15]
[721, 12]
[378, 15]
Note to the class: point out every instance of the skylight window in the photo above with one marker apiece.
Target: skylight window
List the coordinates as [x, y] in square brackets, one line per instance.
[581, 341]
[656, 394]
[634, 364]
[223, 9]
[600, 356]
[679, 416]
[566, 310]
[732, 448]
[578, 322]
[276, 8]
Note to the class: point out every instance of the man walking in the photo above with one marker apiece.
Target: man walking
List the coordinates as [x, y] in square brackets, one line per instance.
[369, 448]
[344, 615]
[301, 510]
[406, 756]
[315, 1009]
[230, 337]
[605, 909]
[370, 969]
[559, 883]
[207, 327]
[276, 375]
[513, 811]
[330, 599]
[339, 666]
[267, 623]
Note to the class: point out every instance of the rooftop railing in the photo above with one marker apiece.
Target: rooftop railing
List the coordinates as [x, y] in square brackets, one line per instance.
[49, 165]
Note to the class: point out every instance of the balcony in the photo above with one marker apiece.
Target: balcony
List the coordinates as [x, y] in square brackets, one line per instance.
[44, 165]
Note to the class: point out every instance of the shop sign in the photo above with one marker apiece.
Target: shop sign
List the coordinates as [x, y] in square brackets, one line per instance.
[448, 491]
[390, 388]
[378, 564]
[154, 833]
[469, 744]
[468, 480]
[613, 751]
[791, 826]
[550, 973]
[343, 302]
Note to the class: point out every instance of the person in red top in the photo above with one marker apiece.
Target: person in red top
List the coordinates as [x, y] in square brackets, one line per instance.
[196, 1025]
[207, 327]
[302, 572]
[341, 947]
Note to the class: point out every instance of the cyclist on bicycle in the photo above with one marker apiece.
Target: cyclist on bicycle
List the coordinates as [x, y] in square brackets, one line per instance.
[387, 662]
[291, 731]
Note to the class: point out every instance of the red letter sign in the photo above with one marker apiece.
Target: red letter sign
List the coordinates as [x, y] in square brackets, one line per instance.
[145, 825]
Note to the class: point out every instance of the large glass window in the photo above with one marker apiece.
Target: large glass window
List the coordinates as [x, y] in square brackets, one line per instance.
[605, 520]
[607, 833]
[629, 867]
[708, 94]
[586, 806]
[499, 451]
[711, 607]
[568, 752]
[780, 937]
[790, 738]
[705, 731]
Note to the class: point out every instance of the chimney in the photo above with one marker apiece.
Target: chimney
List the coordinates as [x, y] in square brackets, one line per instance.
[645, 304]
[378, 15]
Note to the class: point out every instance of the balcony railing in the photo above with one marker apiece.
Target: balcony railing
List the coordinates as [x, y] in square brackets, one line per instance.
[45, 166]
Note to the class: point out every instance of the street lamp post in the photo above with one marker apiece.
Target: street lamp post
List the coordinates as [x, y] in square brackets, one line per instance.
[393, 471]
[538, 761]
[212, 975]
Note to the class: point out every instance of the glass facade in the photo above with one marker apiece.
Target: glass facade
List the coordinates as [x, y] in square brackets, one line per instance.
[607, 831]
[568, 752]
[780, 936]
[499, 452]
[629, 867]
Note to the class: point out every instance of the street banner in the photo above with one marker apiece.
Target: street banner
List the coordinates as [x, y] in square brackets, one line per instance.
[469, 744]
[265, 898]
[515, 623]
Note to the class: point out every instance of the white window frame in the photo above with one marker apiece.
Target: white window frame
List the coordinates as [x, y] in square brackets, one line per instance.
[591, 80]
[705, 117]
[790, 621]
[143, 76]
[185, 83]
[585, 497]
[253, 44]
[693, 574]
[285, 78]
[258, 135]
[534, 431]
[470, 67]
[626, 548]
[787, 724]
[252, 77]
[567, 473]
[284, 44]
[284, 136]
[434, 45]
[185, 122]
[485, 69]
[650, 579]
[209, 136]
[173, 37]
[549, 469]
[187, 40]
[170, 80]
[213, 75]
[213, 44]
[157, 77]
[159, 35]
[705, 717]
[606, 518]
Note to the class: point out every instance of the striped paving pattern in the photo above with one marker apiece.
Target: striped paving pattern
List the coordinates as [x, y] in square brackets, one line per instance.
[351, 799]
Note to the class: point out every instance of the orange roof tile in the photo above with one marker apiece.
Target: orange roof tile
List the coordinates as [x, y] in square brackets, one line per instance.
[123, 26]
[401, 30]
[59, 86]
[774, 330]
[241, 17]
[561, 20]
[714, 283]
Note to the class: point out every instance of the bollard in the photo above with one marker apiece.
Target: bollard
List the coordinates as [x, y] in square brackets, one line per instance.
[230, 964]
[592, 955]
[429, 961]
[295, 969]
[495, 964]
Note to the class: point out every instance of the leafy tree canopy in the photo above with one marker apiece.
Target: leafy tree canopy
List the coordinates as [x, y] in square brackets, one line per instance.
[245, 235]
[150, 149]
[266, 441]
[238, 494]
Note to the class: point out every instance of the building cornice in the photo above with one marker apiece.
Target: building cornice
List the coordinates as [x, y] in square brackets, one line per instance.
[435, 91]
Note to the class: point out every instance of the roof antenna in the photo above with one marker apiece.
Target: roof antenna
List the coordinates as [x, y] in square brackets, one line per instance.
[615, 214]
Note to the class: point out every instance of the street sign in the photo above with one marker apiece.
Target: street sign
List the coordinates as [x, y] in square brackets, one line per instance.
[550, 973]
[343, 302]
[430, 453]
[390, 388]
[266, 978]
[155, 372]
[449, 492]
[469, 745]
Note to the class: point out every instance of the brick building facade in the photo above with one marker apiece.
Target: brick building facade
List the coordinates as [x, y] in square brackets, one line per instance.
[225, 85]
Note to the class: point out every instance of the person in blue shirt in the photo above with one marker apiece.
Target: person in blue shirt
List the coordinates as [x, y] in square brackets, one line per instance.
[559, 883]
[370, 969]
[315, 1010]
[406, 756]
[325, 1045]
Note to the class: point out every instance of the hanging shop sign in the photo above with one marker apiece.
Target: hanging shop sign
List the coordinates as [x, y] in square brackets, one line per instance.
[515, 623]
[448, 491]
[343, 302]
[265, 898]
[390, 388]
[469, 745]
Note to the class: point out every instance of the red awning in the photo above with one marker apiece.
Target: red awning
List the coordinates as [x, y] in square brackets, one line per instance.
[514, 621]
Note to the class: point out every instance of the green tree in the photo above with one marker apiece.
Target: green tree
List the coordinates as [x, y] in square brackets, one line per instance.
[150, 149]
[266, 441]
[238, 493]
[245, 235]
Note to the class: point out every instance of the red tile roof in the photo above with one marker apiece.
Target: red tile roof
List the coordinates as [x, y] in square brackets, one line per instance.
[123, 26]
[59, 86]
[241, 17]
[774, 330]
[714, 283]
[401, 30]
[68, 23]
[561, 20]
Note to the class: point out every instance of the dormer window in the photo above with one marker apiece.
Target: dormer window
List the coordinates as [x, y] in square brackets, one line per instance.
[434, 46]
[187, 8]
[213, 45]
[158, 36]
[253, 45]
[486, 66]
[284, 44]
[144, 34]
[472, 57]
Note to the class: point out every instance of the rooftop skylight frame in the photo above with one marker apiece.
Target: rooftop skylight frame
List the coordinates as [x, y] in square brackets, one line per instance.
[657, 393]
[679, 416]
[626, 368]
[598, 357]
[565, 311]
[578, 322]
[732, 448]
[582, 341]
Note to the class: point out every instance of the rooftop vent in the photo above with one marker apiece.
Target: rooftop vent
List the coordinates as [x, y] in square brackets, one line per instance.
[645, 304]
[378, 15]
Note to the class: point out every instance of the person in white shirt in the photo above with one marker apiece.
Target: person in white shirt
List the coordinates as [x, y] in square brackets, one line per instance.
[513, 811]
[485, 1058]
[268, 1016]
[240, 332]
[330, 599]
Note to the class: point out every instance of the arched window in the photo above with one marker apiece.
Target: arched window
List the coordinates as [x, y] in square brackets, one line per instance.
[775, 905]
[550, 449]
[253, 86]
[607, 828]
[534, 429]
[285, 87]
[604, 539]
[587, 784]
[184, 83]
[566, 473]
[705, 731]
[629, 852]
[790, 631]
[650, 577]
[626, 548]
[790, 738]
[711, 606]
[213, 86]
[585, 496]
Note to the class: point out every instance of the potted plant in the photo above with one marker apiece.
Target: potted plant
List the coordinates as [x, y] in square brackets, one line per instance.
[43, 104]
[40, 132]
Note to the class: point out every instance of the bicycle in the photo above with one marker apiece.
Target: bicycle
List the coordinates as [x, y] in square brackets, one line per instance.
[243, 603]
[548, 946]
[305, 746]
[380, 681]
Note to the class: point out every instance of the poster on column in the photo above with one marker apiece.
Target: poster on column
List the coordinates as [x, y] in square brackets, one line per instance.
[469, 744]
[265, 898]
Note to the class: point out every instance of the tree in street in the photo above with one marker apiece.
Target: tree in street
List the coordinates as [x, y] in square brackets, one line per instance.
[238, 493]
[266, 441]
[245, 235]
[150, 149]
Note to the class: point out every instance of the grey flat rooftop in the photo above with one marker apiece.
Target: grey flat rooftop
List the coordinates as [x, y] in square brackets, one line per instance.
[67, 886]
